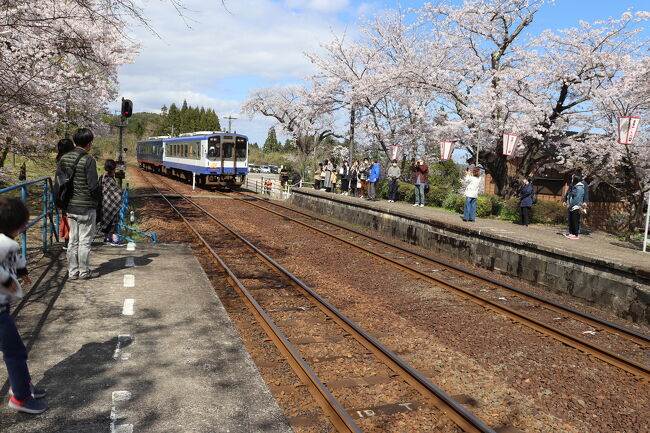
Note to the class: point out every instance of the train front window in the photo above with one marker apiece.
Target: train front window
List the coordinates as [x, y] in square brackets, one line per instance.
[214, 148]
[227, 150]
[241, 148]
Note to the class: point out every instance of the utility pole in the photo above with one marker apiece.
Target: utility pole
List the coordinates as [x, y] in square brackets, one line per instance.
[230, 119]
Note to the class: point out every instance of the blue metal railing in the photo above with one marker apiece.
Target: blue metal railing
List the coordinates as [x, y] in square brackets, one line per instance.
[48, 212]
[121, 225]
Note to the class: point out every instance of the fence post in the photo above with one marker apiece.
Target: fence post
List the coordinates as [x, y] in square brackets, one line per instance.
[23, 196]
[44, 216]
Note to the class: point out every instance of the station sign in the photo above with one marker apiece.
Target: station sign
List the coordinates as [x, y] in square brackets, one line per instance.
[627, 128]
[446, 149]
[509, 144]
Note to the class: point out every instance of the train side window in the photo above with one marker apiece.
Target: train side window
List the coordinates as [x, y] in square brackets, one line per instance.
[214, 148]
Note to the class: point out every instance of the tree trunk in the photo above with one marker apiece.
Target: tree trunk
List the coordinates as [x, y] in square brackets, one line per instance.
[3, 156]
[353, 115]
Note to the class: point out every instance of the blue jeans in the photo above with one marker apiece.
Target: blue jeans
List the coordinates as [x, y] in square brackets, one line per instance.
[15, 356]
[470, 209]
[419, 193]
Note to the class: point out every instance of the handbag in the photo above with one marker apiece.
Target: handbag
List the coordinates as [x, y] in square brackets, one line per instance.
[426, 188]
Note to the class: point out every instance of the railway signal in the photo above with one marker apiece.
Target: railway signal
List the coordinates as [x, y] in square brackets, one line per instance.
[127, 108]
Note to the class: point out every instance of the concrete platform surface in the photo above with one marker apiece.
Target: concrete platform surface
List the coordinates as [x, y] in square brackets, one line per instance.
[146, 347]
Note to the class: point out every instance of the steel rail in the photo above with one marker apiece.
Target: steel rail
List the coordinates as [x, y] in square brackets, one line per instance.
[454, 410]
[332, 408]
[560, 335]
[614, 328]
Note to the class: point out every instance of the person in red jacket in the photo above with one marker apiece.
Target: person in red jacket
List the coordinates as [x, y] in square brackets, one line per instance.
[420, 173]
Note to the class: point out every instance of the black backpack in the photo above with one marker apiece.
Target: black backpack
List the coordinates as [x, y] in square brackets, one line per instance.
[62, 188]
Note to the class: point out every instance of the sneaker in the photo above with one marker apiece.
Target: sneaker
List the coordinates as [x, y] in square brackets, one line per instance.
[573, 237]
[107, 239]
[89, 275]
[421, 205]
[73, 277]
[117, 243]
[29, 405]
[36, 392]
[416, 205]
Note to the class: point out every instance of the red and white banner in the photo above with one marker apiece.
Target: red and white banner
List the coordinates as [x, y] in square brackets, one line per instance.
[627, 127]
[446, 149]
[509, 144]
[395, 151]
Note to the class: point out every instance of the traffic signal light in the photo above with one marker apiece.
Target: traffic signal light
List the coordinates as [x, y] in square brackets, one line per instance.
[127, 108]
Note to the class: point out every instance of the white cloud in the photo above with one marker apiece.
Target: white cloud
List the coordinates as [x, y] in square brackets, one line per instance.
[223, 54]
[327, 6]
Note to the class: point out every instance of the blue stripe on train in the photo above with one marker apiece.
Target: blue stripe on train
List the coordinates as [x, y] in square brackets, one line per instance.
[203, 170]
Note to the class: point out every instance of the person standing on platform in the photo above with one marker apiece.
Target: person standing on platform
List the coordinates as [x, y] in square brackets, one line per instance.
[354, 179]
[394, 173]
[22, 175]
[364, 171]
[344, 174]
[327, 176]
[318, 175]
[420, 178]
[574, 200]
[111, 204]
[375, 172]
[64, 146]
[14, 216]
[526, 201]
[82, 208]
[334, 179]
[472, 182]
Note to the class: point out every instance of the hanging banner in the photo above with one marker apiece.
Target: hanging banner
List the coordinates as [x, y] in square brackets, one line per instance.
[627, 127]
[446, 149]
[509, 144]
[395, 151]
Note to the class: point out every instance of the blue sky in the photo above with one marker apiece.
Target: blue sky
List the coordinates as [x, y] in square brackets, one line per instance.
[216, 57]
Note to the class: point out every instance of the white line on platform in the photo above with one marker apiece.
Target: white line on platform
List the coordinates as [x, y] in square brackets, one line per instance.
[130, 246]
[122, 340]
[129, 280]
[130, 263]
[127, 310]
[118, 412]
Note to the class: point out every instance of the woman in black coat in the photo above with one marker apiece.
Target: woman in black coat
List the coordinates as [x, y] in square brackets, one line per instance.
[526, 201]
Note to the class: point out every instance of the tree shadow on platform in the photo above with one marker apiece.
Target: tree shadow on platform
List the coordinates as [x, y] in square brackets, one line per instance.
[118, 263]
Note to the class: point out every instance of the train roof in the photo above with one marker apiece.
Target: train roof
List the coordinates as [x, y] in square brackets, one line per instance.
[201, 135]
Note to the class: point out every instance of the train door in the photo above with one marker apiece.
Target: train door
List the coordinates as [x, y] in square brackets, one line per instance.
[241, 153]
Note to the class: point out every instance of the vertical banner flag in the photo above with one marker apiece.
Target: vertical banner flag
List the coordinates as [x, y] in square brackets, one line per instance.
[627, 127]
[509, 144]
[446, 149]
[395, 151]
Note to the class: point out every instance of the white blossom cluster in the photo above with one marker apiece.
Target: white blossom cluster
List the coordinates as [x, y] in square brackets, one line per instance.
[469, 73]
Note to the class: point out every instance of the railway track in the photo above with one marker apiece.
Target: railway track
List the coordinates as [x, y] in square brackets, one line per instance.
[473, 286]
[279, 294]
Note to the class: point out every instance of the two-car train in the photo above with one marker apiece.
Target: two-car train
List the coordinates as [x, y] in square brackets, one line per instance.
[218, 158]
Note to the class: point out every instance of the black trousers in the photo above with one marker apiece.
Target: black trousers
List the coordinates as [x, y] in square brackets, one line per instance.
[345, 185]
[525, 215]
[393, 184]
[574, 222]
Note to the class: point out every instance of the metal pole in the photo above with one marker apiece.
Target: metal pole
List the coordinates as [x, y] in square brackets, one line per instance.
[119, 158]
[44, 216]
[647, 222]
[23, 196]
[193, 181]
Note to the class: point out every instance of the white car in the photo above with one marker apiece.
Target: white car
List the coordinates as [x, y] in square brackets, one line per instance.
[265, 169]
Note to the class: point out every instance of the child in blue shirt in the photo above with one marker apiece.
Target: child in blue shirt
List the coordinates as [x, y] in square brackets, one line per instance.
[14, 216]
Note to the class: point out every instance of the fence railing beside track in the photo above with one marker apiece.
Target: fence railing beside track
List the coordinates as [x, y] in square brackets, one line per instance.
[123, 215]
[48, 212]
[271, 187]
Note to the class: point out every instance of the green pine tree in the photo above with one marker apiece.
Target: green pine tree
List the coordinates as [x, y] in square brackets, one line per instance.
[272, 144]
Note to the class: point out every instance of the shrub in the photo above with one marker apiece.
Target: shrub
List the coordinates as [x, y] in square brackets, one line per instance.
[460, 204]
[483, 207]
[549, 212]
[381, 189]
[449, 202]
[436, 195]
[510, 210]
[497, 203]
[406, 192]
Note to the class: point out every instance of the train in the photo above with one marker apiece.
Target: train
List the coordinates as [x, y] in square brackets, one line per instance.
[207, 157]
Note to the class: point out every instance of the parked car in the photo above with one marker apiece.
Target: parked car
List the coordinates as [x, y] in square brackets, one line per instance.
[265, 169]
[253, 168]
[274, 168]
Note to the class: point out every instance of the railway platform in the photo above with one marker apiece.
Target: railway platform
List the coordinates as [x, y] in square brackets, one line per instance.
[145, 347]
[597, 268]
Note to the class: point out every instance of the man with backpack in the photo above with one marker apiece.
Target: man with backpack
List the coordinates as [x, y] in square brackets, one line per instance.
[78, 193]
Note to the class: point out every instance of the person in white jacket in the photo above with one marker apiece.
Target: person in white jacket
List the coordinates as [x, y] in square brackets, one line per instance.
[472, 182]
